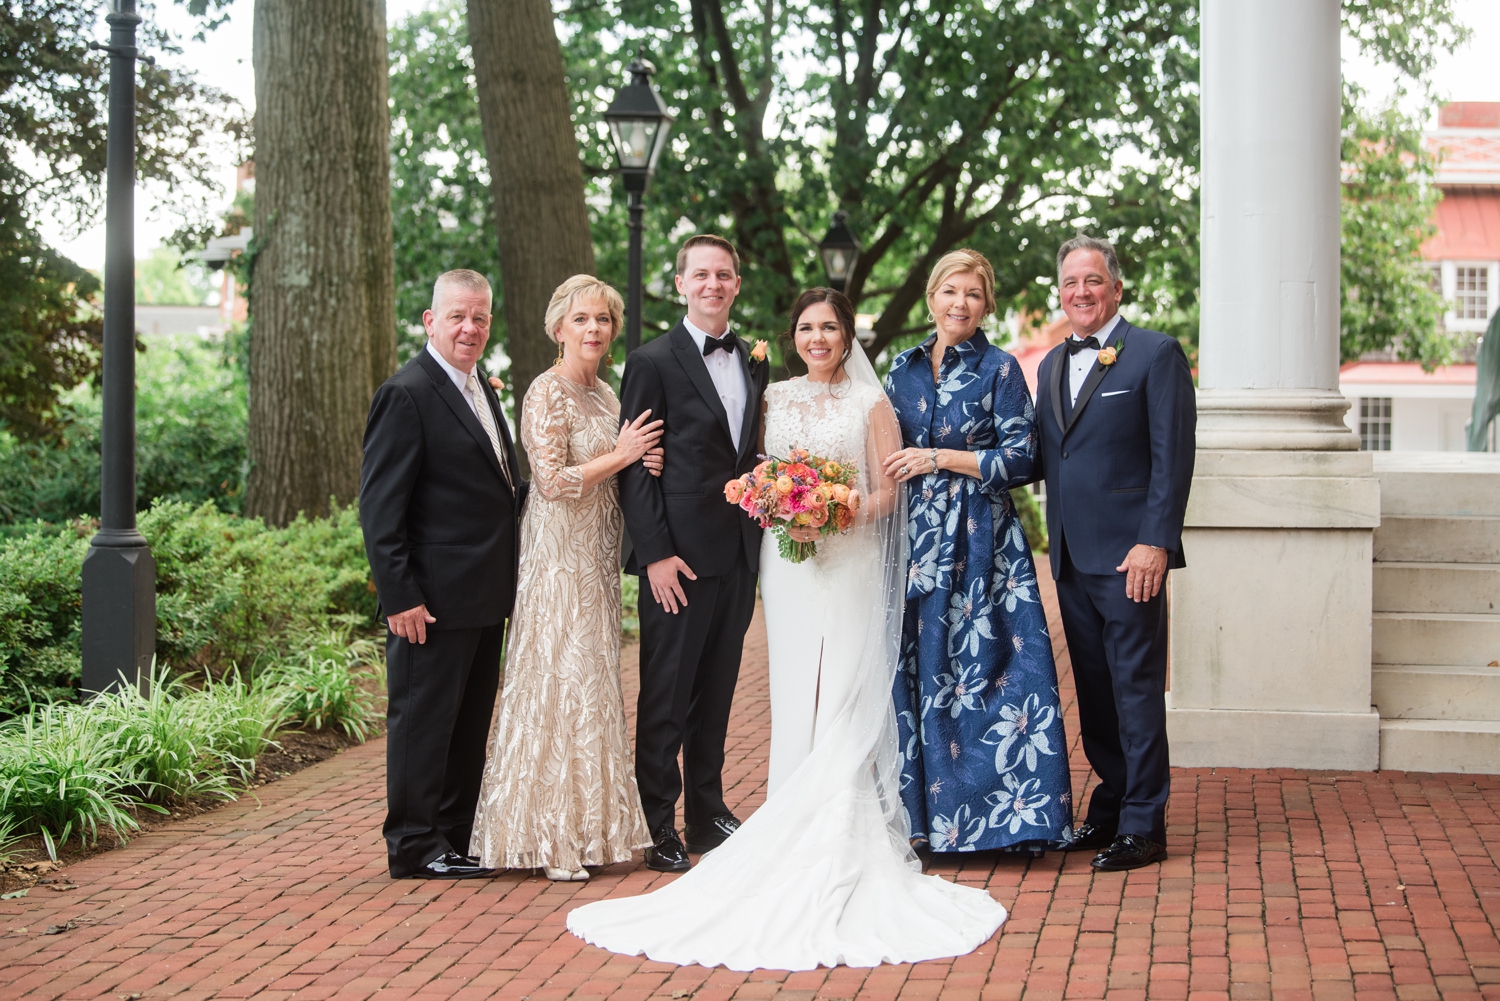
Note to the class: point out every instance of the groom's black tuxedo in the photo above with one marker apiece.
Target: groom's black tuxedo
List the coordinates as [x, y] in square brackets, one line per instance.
[1118, 470]
[440, 524]
[689, 661]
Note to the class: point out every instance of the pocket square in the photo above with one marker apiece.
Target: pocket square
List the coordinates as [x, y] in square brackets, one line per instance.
[1115, 393]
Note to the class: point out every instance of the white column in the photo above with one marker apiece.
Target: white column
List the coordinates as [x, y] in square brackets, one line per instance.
[1271, 618]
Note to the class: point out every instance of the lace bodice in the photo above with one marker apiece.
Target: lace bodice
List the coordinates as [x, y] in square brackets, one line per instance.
[829, 424]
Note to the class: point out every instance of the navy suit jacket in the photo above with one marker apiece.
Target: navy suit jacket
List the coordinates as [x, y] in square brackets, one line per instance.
[1119, 471]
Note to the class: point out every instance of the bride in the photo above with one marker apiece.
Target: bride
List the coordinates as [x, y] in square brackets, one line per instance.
[823, 873]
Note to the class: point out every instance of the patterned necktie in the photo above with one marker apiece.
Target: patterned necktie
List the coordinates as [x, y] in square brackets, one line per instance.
[487, 421]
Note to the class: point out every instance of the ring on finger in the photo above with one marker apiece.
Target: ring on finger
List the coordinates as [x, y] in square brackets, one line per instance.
[903, 470]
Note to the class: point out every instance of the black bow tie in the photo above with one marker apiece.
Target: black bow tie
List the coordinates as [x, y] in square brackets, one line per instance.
[1075, 345]
[712, 344]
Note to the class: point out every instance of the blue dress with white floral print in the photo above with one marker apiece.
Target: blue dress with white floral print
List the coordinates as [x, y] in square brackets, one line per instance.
[984, 761]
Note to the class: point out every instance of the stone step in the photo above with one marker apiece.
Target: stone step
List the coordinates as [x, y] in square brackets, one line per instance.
[1437, 587]
[1448, 539]
[1434, 638]
[1438, 483]
[1449, 745]
[1432, 691]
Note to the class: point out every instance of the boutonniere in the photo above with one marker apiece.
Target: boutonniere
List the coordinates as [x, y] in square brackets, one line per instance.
[496, 384]
[1107, 355]
[759, 351]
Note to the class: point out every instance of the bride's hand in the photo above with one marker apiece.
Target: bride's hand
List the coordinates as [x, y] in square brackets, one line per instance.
[637, 437]
[804, 533]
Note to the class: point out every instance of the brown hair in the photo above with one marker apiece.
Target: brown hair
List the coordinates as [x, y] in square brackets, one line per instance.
[707, 240]
[963, 262]
[579, 287]
[842, 308]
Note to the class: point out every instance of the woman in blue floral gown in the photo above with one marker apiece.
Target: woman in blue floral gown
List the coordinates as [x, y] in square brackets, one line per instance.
[984, 757]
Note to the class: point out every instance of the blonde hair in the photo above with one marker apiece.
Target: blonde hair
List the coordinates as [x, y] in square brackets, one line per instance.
[460, 278]
[961, 262]
[579, 287]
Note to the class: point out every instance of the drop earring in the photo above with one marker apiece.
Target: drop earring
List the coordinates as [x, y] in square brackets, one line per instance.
[559, 353]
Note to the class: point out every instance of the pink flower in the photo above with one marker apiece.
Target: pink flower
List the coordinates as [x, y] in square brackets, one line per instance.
[734, 490]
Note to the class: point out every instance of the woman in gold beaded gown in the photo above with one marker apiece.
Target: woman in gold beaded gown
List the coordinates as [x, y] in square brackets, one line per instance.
[559, 790]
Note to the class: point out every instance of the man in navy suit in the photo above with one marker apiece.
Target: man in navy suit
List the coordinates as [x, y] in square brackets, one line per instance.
[1117, 416]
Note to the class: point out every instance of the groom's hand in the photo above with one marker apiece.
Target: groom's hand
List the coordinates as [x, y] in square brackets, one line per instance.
[1145, 567]
[665, 587]
[411, 625]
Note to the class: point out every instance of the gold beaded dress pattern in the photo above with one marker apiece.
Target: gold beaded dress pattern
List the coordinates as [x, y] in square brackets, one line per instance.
[559, 782]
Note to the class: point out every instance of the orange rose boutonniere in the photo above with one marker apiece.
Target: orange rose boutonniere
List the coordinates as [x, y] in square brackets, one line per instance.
[759, 351]
[1107, 355]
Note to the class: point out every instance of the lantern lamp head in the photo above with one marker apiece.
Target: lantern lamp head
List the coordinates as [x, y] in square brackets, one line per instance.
[638, 124]
[839, 249]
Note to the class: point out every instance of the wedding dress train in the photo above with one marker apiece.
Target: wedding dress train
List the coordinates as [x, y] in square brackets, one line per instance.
[822, 874]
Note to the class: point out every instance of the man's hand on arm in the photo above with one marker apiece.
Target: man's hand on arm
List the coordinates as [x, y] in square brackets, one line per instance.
[1145, 567]
[665, 587]
[411, 625]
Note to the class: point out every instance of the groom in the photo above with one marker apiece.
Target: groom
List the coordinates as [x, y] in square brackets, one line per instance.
[696, 554]
[1116, 412]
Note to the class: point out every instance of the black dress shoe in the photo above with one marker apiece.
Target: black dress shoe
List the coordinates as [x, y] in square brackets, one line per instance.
[1087, 837]
[1129, 851]
[668, 854]
[449, 865]
[706, 837]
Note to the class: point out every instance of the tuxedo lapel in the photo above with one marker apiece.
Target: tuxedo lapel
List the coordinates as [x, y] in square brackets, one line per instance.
[1096, 375]
[752, 408]
[455, 400]
[503, 427]
[691, 359]
[1054, 378]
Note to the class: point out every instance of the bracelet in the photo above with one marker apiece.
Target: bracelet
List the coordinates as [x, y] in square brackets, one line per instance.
[933, 457]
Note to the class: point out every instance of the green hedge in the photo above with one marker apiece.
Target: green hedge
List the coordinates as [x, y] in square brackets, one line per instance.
[229, 592]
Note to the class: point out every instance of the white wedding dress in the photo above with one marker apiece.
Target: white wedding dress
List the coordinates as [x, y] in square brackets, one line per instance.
[822, 874]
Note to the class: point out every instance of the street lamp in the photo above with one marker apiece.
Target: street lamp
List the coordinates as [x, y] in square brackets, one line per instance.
[638, 124]
[840, 251]
[119, 575]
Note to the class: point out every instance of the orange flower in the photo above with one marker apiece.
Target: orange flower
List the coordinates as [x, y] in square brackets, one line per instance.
[817, 517]
[761, 470]
[843, 518]
[784, 484]
[831, 470]
[734, 490]
[758, 353]
[800, 471]
[816, 500]
[798, 454]
[841, 493]
[854, 499]
[1107, 356]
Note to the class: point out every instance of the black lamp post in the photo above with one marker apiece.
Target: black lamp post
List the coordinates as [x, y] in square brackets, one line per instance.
[119, 575]
[638, 124]
[840, 251]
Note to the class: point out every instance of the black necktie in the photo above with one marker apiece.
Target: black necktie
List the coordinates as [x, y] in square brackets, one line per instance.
[712, 344]
[1075, 345]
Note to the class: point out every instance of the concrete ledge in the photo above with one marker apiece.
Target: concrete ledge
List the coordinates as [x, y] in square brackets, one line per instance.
[1468, 746]
[1247, 738]
[1283, 502]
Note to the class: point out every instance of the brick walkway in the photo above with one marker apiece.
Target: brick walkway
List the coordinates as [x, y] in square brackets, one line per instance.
[1281, 884]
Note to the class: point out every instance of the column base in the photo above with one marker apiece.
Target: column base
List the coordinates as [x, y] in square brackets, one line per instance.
[1253, 738]
[119, 616]
[1276, 419]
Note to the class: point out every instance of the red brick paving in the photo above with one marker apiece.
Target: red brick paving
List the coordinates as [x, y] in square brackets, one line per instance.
[1282, 884]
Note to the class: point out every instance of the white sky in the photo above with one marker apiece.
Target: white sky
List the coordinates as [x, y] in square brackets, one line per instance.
[223, 61]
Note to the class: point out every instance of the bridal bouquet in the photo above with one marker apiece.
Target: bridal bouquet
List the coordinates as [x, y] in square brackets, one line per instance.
[800, 491]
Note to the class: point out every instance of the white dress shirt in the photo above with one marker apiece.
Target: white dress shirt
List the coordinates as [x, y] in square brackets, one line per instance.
[461, 380]
[1080, 364]
[728, 376]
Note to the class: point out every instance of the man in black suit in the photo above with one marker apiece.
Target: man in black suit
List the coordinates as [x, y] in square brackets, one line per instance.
[439, 500]
[1117, 416]
[697, 555]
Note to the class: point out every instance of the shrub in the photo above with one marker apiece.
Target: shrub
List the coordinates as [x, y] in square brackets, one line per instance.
[630, 605]
[321, 685]
[1033, 522]
[62, 774]
[39, 617]
[247, 720]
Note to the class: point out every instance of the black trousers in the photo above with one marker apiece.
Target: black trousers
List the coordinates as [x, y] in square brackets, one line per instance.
[690, 663]
[1119, 653]
[442, 696]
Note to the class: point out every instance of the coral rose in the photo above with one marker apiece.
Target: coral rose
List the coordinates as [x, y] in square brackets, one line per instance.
[817, 518]
[798, 454]
[800, 472]
[854, 499]
[734, 490]
[843, 518]
[761, 470]
[840, 493]
[831, 470]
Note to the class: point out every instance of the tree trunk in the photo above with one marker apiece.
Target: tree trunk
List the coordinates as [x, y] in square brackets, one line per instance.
[322, 293]
[535, 173]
